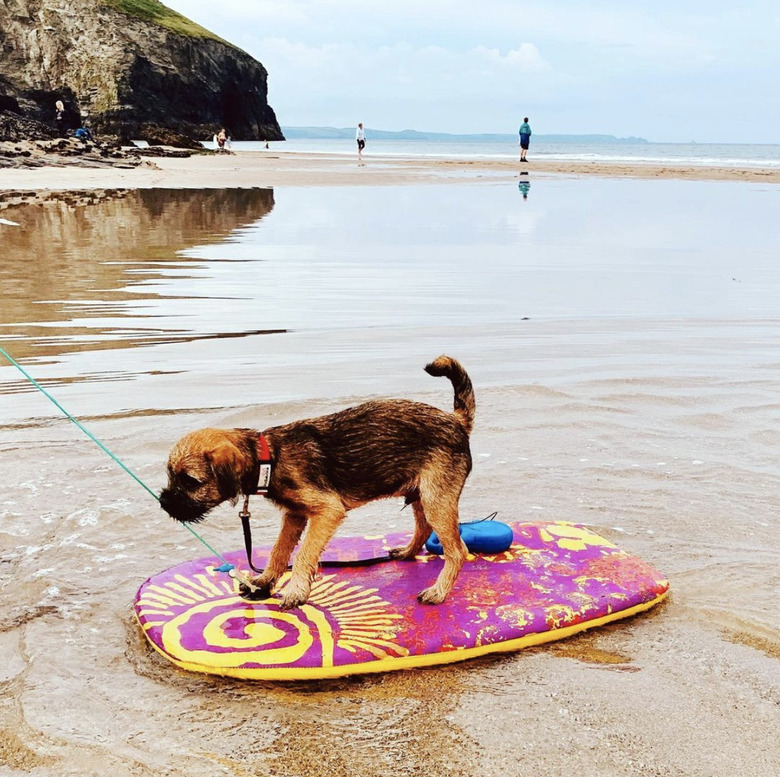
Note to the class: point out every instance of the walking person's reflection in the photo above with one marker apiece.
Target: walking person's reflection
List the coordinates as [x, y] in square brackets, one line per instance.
[524, 186]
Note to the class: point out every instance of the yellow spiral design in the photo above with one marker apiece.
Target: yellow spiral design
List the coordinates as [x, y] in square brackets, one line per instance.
[260, 632]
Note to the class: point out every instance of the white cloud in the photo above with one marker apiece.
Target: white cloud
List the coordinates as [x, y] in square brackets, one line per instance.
[396, 85]
[605, 66]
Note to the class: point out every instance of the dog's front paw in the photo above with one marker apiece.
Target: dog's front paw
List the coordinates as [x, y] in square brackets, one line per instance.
[431, 595]
[401, 554]
[291, 601]
[294, 596]
[257, 592]
[251, 595]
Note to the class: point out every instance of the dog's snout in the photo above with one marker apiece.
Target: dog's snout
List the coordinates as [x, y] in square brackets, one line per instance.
[166, 499]
[169, 502]
[180, 506]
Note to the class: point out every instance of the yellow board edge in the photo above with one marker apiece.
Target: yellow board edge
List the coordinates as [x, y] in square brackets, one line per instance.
[409, 662]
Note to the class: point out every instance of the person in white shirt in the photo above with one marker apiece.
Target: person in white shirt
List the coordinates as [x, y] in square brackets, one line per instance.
[360, 136]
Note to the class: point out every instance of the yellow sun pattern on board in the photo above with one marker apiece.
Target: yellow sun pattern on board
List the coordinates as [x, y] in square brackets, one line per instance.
[360, 619]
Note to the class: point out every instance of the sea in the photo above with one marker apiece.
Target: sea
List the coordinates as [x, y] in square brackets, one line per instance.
[695, 154]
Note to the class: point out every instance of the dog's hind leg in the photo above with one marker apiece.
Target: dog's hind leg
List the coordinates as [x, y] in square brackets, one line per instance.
[422, 530]
[323, 520]
[440, 502]
[293, 525]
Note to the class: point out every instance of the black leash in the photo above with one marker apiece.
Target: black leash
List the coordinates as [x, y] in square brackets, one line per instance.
[245, 515]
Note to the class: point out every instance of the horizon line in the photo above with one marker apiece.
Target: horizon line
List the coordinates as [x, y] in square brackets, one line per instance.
[623, 138]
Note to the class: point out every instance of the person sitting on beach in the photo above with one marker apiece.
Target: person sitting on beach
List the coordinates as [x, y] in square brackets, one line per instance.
[221, 139]
[84, 135]
[525, 139]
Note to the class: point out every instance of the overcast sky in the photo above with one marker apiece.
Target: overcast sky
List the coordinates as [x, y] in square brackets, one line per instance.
[681, 70]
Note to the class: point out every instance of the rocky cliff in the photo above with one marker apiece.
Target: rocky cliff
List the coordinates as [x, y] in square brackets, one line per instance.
[131, 67]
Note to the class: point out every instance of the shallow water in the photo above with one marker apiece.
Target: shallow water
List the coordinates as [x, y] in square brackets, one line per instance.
[623, 340]
[710, 154]
[152, 286]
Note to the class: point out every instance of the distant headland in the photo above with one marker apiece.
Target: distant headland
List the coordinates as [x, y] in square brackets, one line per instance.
[343, 133]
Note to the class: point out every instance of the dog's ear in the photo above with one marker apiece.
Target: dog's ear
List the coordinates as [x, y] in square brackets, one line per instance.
[228, 465]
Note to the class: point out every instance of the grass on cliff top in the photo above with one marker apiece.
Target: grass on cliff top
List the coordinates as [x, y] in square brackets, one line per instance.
[155, 12]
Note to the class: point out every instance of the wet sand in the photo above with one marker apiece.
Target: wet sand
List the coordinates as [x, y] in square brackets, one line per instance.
[676, 468]
[661, 434]
[258, 168]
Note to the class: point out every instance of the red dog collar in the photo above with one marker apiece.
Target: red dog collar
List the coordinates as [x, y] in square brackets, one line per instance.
[264, 459]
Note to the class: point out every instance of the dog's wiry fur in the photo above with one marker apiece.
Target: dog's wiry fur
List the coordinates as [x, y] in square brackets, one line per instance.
[323, 467]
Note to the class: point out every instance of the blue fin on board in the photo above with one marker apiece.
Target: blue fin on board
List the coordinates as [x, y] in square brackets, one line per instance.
[479, 536]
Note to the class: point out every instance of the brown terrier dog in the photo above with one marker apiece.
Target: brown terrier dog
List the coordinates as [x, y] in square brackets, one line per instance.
[323, 467]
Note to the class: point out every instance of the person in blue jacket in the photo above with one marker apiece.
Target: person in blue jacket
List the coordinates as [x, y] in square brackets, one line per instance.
[525, 139]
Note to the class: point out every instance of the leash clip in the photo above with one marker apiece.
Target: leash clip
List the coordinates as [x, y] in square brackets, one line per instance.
[245, 514]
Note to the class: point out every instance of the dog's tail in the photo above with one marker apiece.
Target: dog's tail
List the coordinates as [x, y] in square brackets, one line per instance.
[465, 403]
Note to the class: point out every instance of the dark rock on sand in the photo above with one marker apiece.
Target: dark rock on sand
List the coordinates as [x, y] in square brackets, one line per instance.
[155, 135]
[165, 151]
[30, 143]
[130, 66]
[65, 152]
[16, 128]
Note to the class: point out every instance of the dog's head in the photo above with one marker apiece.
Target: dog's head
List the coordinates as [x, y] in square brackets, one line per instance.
[205, 468]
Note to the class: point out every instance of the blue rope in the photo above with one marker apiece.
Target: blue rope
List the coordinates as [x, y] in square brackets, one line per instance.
[226, 566]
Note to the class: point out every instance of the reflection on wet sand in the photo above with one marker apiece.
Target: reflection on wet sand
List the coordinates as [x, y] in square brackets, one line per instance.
[524, 185]
[72, 271]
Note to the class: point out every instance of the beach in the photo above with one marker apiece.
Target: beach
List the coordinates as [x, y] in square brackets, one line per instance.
[618, 322]
[259, 168]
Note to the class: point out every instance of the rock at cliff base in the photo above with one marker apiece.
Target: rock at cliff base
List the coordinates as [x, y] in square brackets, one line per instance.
[15, 128]
[155, 135]
[65, 152]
